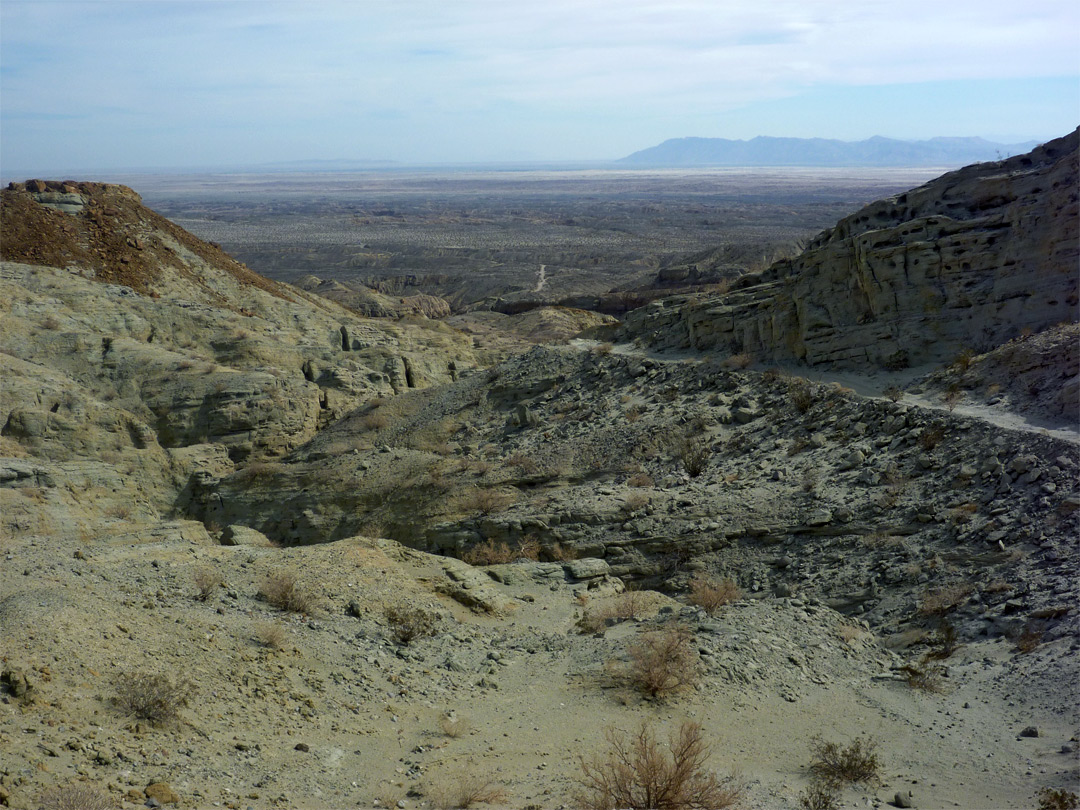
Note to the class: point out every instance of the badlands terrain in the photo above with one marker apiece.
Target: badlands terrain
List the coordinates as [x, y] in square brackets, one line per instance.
[260, 550]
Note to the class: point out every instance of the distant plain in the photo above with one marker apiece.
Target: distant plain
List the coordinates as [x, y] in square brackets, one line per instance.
[478, 233]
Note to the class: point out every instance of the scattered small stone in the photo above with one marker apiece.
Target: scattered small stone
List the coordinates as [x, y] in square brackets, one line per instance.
[1030, 731]
[302, 747]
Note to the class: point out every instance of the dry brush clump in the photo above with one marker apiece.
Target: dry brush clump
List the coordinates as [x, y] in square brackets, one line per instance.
[941, 601]
[454, 726]
[1057, 799]
[834, 764]
[820, 796]
[465, 790]
[694, 453]
[76, 796]
[271, 635]
[284, 591]
[624, 607]
[152, 696]
[663, 662]
[408, 624]
[485, 501]
[637, 772]
[207, 580]
[491, 553]
[712, 594]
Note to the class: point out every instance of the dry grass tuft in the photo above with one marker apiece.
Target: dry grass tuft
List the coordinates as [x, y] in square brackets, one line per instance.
[207, 580]
[694, 454]
[801, 394]
[638, 773]
[624, 607]
[453, 726]
[485, 501]
[408, 624]
[76, 796]
[271, 635]
[152, 696]
[489, 553]
[712, 594]
[285, 592]
[464, 791]
[943, 600]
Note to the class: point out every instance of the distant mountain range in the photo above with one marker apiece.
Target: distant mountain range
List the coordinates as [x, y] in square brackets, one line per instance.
[876, 151]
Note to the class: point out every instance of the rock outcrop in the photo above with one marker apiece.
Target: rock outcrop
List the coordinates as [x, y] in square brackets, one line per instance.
[966, 261]
[137, 359]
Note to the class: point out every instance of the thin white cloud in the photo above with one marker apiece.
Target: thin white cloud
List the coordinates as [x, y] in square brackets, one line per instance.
[324, 63]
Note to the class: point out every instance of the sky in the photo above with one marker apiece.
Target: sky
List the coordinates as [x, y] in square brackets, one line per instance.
[141, 84]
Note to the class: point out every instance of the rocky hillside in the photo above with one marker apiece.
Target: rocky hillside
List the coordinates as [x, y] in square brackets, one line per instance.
[964, 262]
[134, 356]
[262, 552]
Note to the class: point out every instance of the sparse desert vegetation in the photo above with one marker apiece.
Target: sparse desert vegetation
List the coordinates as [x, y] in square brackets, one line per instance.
[639, 772]
[416, 541]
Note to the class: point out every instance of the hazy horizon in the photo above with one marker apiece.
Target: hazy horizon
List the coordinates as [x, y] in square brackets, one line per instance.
[115, 85]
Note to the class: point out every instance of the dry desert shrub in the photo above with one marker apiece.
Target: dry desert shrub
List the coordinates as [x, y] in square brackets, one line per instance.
[557, 552]
[624, 607]
[271, 635]
[207, 580]
[640, 480]
[485, 501]
[801, 394]
[527, 464]
[849, 633]
[528, 548]
[694, 454]
[465, 790]
[837, 765]
[943, 600]
[408, 624]
[637, 772]
[923, 676]
[453, 726]
[663, 662]
[931, 437]
[489, 553]
[285, 592]
[895, 393]
[1059, 799]
[1028, 640]
[636, 501]
[76, 796]
[739, 361]
[820, 795]
[712, 594]
[374, 421]
[152, 696]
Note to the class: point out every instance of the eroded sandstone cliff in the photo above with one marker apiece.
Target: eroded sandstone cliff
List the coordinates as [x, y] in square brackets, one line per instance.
[967, 261]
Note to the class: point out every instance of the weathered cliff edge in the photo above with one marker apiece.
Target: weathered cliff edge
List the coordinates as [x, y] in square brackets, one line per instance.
[967, 261]
[136, 358]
